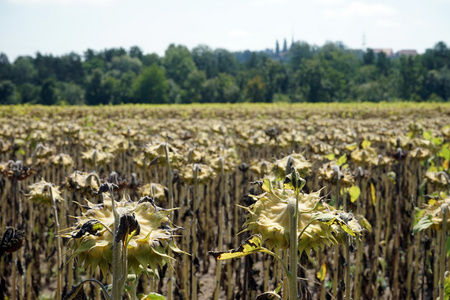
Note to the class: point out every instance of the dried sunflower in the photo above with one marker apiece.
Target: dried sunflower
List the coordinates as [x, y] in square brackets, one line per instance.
[151, 234]
[295, 160]
[431, 215]
[11, 240]
[269, 216]
[42, 192]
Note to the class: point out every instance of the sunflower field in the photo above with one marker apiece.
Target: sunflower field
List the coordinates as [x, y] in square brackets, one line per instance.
[304, 201]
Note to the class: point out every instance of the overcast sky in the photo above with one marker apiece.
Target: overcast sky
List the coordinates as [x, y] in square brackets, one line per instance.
[61, 26]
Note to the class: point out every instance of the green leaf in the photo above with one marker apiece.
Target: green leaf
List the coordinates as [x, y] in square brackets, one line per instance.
[445, 153]
[365, 224]
[447, 246]
[294, 181]
[373, 194]
[342, 160]
[427, 135]
[266, 186]
[322, 273]
[354, 192]
[152, 296]
[447, 287]
[330, 156]
[347, 229]
[437, 141]
[351, 147]
[330, 219]
[423, 224]
[251, 245]
[365, 144]
[268, 296]
[272, 294]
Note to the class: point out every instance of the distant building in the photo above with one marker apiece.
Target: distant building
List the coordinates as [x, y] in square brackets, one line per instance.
[387, 51]
[408, 52]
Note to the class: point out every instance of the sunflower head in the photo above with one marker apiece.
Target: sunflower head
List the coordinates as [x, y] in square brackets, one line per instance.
[285, 165]
[432, 216]
[318, 224]
[204, 173]
[42, 192]
[145, 230]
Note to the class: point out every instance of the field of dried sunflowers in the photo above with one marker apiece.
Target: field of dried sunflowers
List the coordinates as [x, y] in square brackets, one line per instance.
[146, 202]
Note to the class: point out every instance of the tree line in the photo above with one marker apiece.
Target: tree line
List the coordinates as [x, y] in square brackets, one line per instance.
[299, 73]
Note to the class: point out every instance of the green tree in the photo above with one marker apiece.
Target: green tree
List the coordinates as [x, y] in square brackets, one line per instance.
[7, 92]
[178, 63]
[437, 84]
[151, 85]
[175, 93]
[314, 82]
[298, 52]
[227, 90]
[71, 93]
[5, 67]
[410, 78]
[126, 63]
[93, 61]
[369, 57]
[276, 79]
[29, 93]
[151, 59]
[193, 87]
[48, 95]
[205, 60]
[68, 68]
[226, 62]
[136, 52]
[383, 64]
[94, 91]
[255, 90]
[24, 70]
[210, 91]
[124, 89]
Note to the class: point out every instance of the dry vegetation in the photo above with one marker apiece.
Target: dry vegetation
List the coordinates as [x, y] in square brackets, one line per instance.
[387, 165]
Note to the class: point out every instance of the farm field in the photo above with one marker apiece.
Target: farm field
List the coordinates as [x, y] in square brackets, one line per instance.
[173, 188]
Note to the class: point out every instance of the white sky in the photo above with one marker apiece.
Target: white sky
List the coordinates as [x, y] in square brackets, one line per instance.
[61, 26]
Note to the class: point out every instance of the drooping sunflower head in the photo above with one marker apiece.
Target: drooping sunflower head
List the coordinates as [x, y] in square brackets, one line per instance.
[145, 226]
[200, 172]
[42, 192]
[432, 216]
[318, 224]
[295, 160]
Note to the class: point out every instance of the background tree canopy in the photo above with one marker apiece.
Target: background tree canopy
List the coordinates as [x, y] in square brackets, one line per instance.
[296, 73]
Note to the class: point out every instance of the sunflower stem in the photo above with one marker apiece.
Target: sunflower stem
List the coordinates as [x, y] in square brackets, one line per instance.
[336, 247]
[348, 287]
[194, 234]
[58, 243]
[171, 205]
[443, 252]
[221, 229]
[293, 248]
[117, 263]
